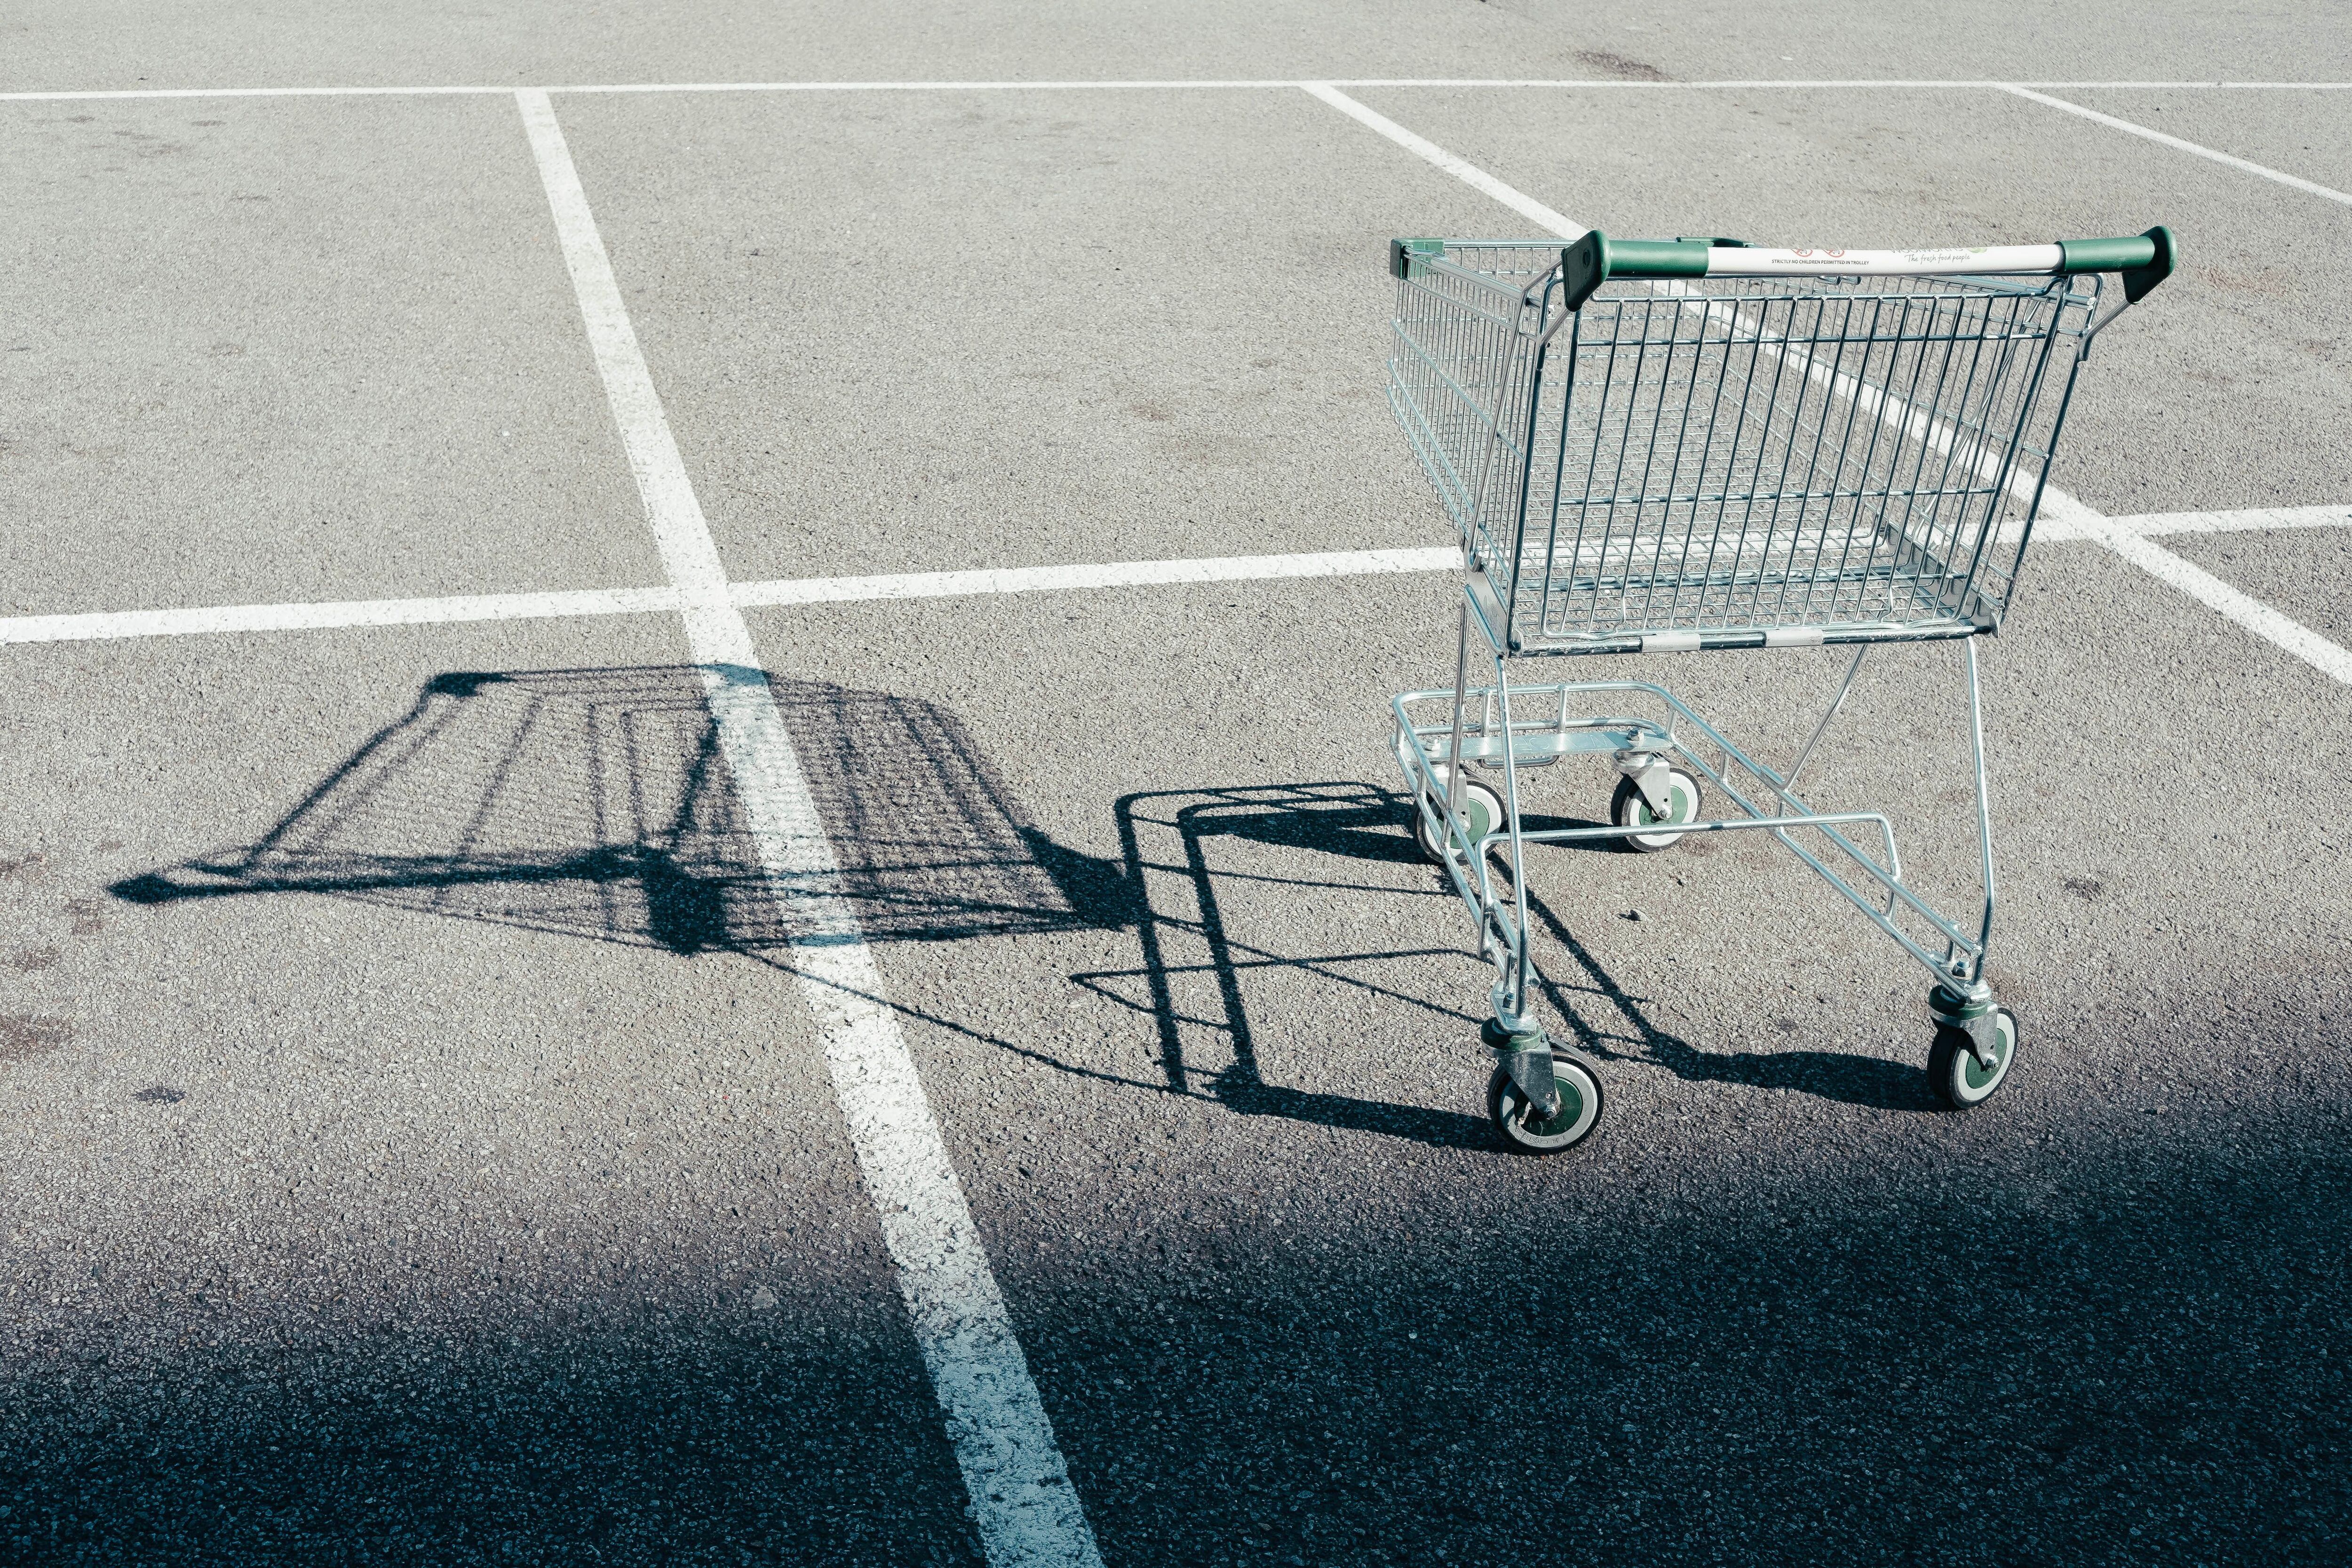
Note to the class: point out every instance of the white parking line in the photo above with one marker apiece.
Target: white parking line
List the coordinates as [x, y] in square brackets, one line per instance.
[2259, 519]
[1615, 84]
[2293, 182]
[1286, 83]
[108, 626]
[333, 614]
[2135, 546]
[786, 591]
[2057, 526]
[2071, 516]
[102, 95]
[1121, 574]
[1461, 169]
[1022, 1501]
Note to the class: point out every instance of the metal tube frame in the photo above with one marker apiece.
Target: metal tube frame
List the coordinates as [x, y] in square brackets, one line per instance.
[1924, 395]
[1429, 752]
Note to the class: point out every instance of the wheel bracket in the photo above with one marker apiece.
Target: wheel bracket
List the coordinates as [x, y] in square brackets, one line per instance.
[1984, 1041]
[1972, 1014]
[1654, 776]
[1526, 1056]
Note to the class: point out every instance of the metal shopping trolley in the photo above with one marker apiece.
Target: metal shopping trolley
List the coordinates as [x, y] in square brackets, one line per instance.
[1700, 445]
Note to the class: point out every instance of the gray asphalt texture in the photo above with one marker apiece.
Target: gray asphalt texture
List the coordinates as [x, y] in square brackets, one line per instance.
[413, 1143]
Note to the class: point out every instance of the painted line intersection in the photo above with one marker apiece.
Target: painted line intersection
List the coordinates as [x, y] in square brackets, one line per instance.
[1024, 1507]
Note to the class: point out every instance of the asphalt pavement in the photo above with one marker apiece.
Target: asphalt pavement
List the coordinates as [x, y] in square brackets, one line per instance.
[416, 1142]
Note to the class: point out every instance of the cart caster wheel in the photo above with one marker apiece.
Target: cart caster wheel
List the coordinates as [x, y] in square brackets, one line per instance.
[1629, 809]
[1579, 1108]
[1961, 1082]
[1480, 805]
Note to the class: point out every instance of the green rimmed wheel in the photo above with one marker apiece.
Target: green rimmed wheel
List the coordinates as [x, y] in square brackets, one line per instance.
[1482, 810]
[1580, 1107]
[1960, 1080]
[1629, 807]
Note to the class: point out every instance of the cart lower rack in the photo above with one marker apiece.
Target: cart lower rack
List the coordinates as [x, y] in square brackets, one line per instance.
[1702, 444]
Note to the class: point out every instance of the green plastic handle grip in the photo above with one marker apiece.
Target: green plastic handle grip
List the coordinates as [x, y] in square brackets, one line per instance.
[2143, 259]
[1594, 259]
[1591, 259]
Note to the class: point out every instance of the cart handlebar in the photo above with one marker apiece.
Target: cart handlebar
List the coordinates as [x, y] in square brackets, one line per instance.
[1594, 259]
[2144, 260]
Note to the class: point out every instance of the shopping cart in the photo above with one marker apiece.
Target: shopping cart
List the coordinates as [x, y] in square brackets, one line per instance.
[1698, 445]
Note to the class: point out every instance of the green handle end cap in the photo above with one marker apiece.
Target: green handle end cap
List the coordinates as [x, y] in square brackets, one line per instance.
[1594, 259]
[1583, 267]
[1403, 251]
[2144, 260]
[2139, 280]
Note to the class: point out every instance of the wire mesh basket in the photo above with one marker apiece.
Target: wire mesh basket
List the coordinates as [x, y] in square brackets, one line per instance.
[1729, 461]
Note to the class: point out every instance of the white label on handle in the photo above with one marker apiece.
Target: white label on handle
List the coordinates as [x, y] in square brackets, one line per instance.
[1758, 262]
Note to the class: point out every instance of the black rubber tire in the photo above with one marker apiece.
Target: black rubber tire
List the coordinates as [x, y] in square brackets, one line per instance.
[1580, 1102]
[1479, 800]
[1952, 1069]
[1629, 809]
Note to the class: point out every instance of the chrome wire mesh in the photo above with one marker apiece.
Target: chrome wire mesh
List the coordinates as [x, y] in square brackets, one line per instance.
[1468, 335]
[1734, 454]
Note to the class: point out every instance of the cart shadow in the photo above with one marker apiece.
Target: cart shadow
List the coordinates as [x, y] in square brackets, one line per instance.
[600, 803]
[1869, 1081]
[1202, 962]
[1196, 967]
[597, 803]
